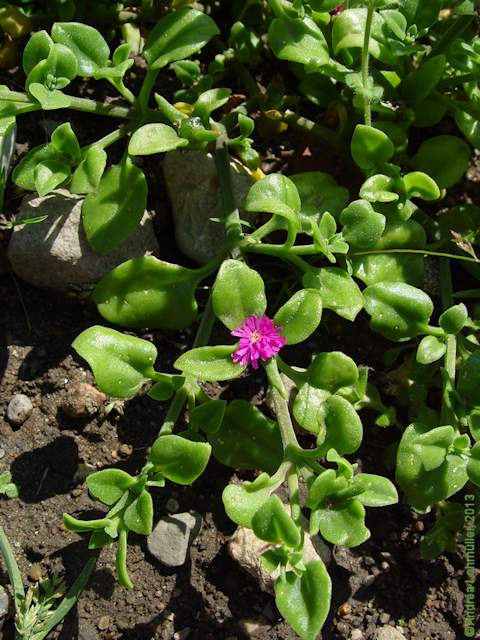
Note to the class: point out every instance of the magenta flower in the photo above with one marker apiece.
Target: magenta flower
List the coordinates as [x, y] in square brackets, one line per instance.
[338, 9]
[260, 339]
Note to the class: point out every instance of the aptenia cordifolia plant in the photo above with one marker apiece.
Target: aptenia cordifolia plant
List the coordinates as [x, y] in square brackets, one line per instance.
[385, 69]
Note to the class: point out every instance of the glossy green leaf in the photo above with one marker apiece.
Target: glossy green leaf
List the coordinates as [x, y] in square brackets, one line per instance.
[430, 158]
[343, 427]
[298, 40]
[398, 311]
[331, 371]
[154, 138]
[209, 364]
[453, 319]
[208, 416]
[209, 101]
[37, 49]
[420, 185]
[300, 316]
[349, 29]
[304, 601]
[165, 386]
[319, 193]
[306, 408]
[86, 43]
[89, 172]
[273, 524]
[420, 82]
[120, 363]
[109, 485]
[48, 175]
[241, 504]
[343, 523]
[370, 147]
[138, 516]
[24, 173]
[379, 188]
[65, 142]
[473, 466]
[430, 350]
[362, 225]
[178, 459]
[49, 99]
[325, 484]
[377, 491]
[56, 71]
[238, 292]
[247, 439]
[469, 379]
[112, 212]
[147, 292]
[177, 36]
[339, 291]
[469, 125]
[275, 194]
[426, 471]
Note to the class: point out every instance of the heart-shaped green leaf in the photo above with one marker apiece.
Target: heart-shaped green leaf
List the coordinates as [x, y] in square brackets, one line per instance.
[154, 138]
[339, 291]
[109, 485]
[120, 363]
[272, 523]
[209, 363]
[138, 516]
[178, 459]
[86, 43]
[300, 316]
[147, 292]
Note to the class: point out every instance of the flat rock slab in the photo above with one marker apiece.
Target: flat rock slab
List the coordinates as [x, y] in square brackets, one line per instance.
[55, 254]
[194, 190]
[171, 538]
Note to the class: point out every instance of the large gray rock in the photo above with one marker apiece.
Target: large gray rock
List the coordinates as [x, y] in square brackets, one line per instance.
[246, 549]
[194, 191]
[55, 254]
[171, 538]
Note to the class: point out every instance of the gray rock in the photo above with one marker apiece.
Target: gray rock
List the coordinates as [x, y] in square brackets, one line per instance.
[171, 538]
[55, 254]
[4, 605]
[388, 633]
[194, 191]
[82, 400]
[356, 635]
[19, 409]
[246, 549]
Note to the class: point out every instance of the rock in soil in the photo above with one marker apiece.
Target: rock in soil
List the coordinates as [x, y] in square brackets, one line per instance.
[246, 549]
[19, 409]
[55, 254]
[171, 538]
[4, 605]
[194, 191]
[82, 400]
[388, 633]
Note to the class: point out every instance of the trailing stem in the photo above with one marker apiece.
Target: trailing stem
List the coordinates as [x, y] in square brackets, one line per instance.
[367, 111]
[450, 358]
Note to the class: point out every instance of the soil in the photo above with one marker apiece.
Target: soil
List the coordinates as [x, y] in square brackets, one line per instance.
[382, 582]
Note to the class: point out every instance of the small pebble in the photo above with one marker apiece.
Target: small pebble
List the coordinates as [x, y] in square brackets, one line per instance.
[419, 526]
[368, 561]
[4, 605]
[182, 634]
[384, 565]
[19, 409]
[103, 623]
[82, 400]
[344, 610]
[356, 635]
[35, 573]
[125, 450]
[375, 571]
[384, 618]
[172, 505]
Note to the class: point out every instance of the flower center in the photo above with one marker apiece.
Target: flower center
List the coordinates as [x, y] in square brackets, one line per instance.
[255, 336]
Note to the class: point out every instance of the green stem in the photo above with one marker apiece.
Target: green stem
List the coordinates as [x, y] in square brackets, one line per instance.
[206, 325]
[450, 360]
[109, 139]
[265, 229]
[146, 89]
[454, 81]
[174, 411]
[298, 377]
[231, 215]
[12, 569]
[453, 105]
[294, 497]
[279, 250]
[424, 252]
[367, 111]
[284, 421]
